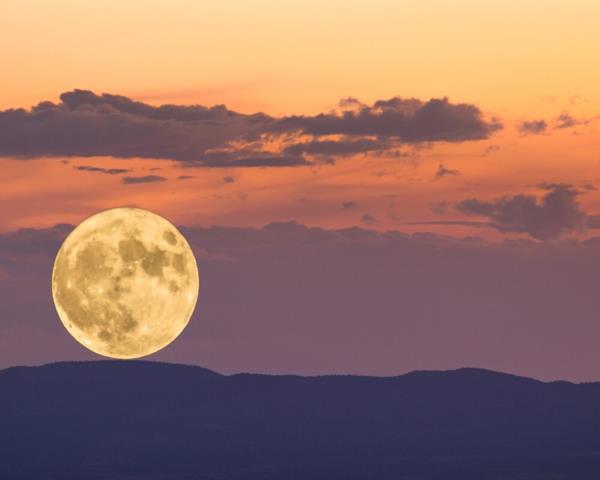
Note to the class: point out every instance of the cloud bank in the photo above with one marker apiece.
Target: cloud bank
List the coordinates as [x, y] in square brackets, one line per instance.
[84, 124]
[297, 299]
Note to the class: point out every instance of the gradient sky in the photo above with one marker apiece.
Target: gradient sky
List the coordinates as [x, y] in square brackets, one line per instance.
[449, 150]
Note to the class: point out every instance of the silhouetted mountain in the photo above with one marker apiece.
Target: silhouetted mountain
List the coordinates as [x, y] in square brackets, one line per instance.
[144, 420]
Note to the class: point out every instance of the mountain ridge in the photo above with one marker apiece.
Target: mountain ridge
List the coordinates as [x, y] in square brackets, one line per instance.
[151, 420]
[460, 371]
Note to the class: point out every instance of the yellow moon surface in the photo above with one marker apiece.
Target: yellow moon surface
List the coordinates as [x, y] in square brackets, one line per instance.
[125, 283]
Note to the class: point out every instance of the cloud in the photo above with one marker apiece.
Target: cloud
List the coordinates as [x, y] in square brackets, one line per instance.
[45, 241]
[185, 177]
[536, 127]
[349, 205]
[251, 158]
[228, 179]
[555, 185]
[556, 213]
[143, 179]
[347, 146]
[461, 223]
[444, 172]
[490, 149]
[532, 127]
[566, 121]
[368, 219]
[405, 120]
[593, 221]
[108, 171]
[84, 124]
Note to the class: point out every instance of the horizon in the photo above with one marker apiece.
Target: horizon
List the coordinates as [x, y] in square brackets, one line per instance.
[367, 188]
[457, 370]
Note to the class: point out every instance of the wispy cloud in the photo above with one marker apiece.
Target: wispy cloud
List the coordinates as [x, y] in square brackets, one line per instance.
[144, 179]
[349, 205]
[443, 171]
[368, 219]
[108, 171]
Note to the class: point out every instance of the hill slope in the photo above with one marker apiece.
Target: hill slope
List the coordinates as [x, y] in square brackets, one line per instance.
[134, 420]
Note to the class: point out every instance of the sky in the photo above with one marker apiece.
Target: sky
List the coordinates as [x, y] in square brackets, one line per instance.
[369, 187]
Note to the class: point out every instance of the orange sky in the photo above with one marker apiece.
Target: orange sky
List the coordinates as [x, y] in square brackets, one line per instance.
[514, 60]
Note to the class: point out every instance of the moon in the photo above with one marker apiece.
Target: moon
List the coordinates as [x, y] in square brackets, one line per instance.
[125, 283]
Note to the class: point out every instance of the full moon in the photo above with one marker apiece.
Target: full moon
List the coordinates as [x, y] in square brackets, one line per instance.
[125, 283]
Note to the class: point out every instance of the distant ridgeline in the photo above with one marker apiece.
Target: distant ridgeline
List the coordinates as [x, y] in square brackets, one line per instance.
[143, 420]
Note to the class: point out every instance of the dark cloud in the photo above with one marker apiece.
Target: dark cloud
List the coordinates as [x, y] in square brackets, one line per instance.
[535, 127]
[444, 172]
[144, 179]
[351, 102]
[84, 124]
[556, 213]
[251, 158]
[404, 120]
[349, 205]
[593, 221]
[579, 189]
[490, 149]
[228, 179]
[368, 219]
[532, 127]
[460, 223]
[108, 171]
[185, 177]
[45, 241]
[565, 120]
[338, 147]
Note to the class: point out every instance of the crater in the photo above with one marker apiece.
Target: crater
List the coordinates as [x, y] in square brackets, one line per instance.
[178, 263]
[170, 237]
[154, 262]
[127, 323]
[132, 249]
[104, 336]
[91, 263]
